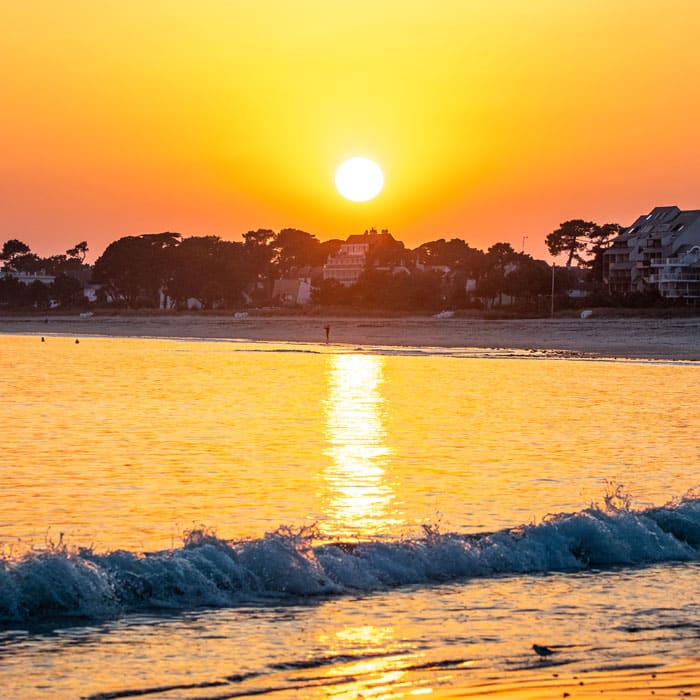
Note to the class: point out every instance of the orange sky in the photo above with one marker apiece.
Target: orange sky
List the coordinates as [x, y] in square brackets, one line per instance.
[492, 119]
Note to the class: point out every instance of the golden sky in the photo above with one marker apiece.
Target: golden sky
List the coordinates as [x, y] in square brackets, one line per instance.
[492, 119]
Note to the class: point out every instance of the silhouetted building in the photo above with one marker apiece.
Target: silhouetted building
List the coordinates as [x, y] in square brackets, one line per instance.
[659, 252]
[350, 261]
[28, 277]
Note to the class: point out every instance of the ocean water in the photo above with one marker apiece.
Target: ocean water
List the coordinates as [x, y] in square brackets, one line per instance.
[227, 519]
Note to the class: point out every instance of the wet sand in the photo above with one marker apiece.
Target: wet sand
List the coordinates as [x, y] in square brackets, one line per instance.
[664, 339]
[646, 679]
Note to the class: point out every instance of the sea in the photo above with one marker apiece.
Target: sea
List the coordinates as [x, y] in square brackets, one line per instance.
[188, 518]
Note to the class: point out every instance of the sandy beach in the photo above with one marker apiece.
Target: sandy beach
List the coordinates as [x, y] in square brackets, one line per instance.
[663, 339]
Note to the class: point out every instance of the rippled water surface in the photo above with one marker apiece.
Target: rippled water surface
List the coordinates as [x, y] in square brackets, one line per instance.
[122, 445]
[126, 443]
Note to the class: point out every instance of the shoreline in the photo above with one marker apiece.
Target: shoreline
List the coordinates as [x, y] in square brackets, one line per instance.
[638, 338]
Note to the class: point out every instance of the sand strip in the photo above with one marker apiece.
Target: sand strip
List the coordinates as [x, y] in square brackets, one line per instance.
[665, 339]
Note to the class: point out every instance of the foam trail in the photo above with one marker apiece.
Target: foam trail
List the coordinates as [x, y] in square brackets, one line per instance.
[208, 571]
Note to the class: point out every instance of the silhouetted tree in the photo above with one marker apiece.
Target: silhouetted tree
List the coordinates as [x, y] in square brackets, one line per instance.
[191, 271]
[64, 265]
[571, 237]
[19, 258]
[499, 259]
[455, 254]
[259, 238]
[37, 295]
[136, 268]
[12, 292]
[11, 249]
[403, 291]
[330, 247]
[424, 290]
[213, 271]
[500, 255]
[259, 252]
[372, 290]
[528, 280]
[294, 249]
[78, 251]
[464, 262]
[599, 242]
[330, 292]
[235, 272]
[29, 263]
[67, 291]
[55, 264]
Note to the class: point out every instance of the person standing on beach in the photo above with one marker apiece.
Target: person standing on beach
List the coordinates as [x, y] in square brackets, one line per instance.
[328, 332]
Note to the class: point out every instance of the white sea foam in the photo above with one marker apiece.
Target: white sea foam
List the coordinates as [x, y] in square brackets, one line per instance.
[208, 571]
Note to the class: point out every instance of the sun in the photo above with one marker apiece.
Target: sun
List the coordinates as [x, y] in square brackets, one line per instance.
[359, 179]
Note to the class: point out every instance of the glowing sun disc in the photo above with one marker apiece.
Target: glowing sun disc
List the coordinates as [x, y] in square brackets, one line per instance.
[359, 179]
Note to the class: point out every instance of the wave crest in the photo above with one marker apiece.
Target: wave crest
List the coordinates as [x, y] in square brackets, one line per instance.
[209, 571]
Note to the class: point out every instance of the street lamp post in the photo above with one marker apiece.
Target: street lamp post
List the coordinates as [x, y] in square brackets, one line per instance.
[552, 310]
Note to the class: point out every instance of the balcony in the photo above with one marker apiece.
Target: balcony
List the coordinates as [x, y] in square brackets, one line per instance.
[679, 277]
[686, 261]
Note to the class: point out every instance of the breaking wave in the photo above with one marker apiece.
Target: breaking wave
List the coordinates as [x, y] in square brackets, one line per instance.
[209, 571]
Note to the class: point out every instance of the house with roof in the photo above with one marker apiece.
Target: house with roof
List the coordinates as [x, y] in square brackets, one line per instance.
[660, 252]
[292, 292]
[348, 263]
[352, 257]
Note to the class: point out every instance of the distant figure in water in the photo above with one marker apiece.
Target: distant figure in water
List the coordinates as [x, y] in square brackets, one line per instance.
[77, 341]
[43, 340]
[328, 332]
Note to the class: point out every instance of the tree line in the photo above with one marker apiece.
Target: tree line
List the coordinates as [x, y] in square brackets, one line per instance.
[153, 270]
[69, 271]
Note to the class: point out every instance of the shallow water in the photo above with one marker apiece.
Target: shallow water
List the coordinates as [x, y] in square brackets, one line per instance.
[440, 472]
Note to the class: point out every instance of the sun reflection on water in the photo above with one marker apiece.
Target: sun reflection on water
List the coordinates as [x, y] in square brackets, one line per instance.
[375, 670]
[356, 492]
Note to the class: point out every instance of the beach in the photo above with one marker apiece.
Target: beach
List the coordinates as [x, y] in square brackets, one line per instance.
[638, 338]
